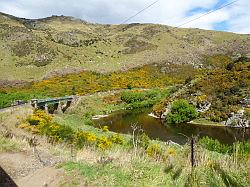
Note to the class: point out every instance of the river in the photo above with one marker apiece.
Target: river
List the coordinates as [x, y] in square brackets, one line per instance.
[121, 122]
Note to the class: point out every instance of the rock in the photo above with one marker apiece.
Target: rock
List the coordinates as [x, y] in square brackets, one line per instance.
[237, 120]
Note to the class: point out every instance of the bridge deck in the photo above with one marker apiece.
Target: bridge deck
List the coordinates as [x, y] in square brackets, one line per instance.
[52, 100]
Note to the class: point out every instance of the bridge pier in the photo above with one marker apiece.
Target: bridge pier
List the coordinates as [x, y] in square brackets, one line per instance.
[46, 108]
[67, 106]
[35, 105]
[59, 108]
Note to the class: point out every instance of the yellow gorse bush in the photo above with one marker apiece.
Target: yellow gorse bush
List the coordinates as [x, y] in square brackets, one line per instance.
[105, 129]
[85, 137]
[201, 98]
[41, 123]
[117, 139]
[171, 151]
[154, 150]
[39, 116]
[103, 143]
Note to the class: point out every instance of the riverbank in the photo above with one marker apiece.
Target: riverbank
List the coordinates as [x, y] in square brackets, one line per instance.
[205, 122]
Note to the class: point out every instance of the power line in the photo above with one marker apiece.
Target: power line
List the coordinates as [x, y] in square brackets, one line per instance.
[209, 12]
[125, 21]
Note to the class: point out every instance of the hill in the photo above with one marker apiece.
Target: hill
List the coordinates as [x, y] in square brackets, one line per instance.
[33, 49]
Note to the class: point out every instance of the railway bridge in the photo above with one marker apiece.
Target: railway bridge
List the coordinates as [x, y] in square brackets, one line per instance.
[53, 105]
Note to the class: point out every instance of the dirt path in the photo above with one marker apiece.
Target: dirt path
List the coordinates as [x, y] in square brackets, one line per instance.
[26, 170]
[47, 176]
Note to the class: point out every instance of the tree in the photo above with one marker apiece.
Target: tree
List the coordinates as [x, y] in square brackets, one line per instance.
[181, 111]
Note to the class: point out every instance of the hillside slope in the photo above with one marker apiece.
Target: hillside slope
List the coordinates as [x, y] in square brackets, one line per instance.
[35, 49]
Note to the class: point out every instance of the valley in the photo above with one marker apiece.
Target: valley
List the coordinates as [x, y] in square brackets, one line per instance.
[142, 94]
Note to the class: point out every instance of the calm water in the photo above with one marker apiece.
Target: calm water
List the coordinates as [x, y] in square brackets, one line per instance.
[121, 122]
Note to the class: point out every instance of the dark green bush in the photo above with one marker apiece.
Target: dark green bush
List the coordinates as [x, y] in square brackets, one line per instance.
[143, 98]
[181, 111]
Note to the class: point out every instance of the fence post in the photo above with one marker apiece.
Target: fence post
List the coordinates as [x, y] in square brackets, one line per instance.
[192, 152]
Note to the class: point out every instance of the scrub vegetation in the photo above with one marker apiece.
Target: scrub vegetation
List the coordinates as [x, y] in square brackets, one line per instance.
[89, 82]
[224, 86]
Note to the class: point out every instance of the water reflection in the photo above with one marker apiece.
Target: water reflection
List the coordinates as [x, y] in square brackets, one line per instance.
[121, 122]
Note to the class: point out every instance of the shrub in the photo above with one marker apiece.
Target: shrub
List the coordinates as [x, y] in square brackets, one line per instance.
[59, 132]
[132, 96]
[117, 139]
[181, 111]
[154, 150]
[39, 116]
[143, 140]
[105, 128]
[215, 145]
[169, 154]
[82, 138]
[103, 143]
[159, 108]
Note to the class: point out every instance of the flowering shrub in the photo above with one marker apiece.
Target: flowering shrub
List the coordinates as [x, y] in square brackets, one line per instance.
[169, 154]
[103, 143]
[117, 139]
[39, 116]
[154, 150]
[81, 138]
[41, 123]
[105, 128]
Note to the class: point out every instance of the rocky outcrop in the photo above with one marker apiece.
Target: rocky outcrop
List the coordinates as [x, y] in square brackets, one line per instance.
[237, 120]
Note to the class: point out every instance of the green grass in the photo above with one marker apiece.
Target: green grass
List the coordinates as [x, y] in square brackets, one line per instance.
[94, 104]
[212, 170]
[141, 172]
[95, 174]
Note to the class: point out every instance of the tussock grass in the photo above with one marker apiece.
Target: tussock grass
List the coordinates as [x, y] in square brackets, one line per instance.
[127, 169]
[11, 144]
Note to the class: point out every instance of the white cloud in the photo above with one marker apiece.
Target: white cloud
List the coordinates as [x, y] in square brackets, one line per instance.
[240, 17]
[208, 21]
[168, 12]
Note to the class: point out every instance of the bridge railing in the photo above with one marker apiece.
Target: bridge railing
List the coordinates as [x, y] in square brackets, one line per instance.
[52, 100]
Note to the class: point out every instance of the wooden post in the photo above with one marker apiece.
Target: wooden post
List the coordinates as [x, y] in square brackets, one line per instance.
[192, 152]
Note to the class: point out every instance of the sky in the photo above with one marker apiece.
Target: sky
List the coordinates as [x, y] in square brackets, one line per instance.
[234, 18]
